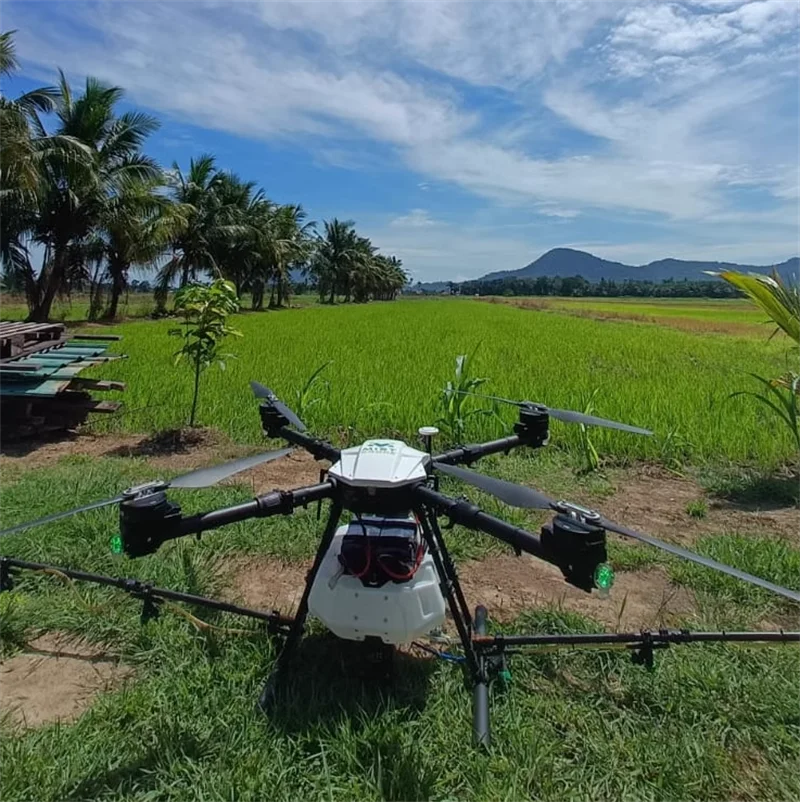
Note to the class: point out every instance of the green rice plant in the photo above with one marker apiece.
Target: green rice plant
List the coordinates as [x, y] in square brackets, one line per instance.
[385, 377]
[591, 460]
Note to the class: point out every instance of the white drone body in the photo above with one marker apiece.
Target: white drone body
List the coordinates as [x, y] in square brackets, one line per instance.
[396, 613]
[380, 463]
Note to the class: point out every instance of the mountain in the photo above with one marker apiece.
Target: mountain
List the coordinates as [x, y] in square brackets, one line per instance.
[564, 262]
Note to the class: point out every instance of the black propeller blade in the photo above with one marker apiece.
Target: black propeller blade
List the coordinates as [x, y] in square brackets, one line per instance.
[566, 415]
[57, 516]
[204, 477]
[513, 494]
[261, 391]
[699, 559]
[528, 498]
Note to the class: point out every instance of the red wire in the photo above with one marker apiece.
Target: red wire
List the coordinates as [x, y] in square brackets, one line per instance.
[410, 574]
[389, 572]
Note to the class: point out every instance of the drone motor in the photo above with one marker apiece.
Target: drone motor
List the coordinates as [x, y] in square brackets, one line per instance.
[146, 519]
[577, 546]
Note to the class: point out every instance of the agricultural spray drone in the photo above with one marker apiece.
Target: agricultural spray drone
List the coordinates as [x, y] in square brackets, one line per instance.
[385, 577]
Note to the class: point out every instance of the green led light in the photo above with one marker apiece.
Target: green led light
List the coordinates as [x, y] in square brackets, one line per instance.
[116, 544]
[603, 576]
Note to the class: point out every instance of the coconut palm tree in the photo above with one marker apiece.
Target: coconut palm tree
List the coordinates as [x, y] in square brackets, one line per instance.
[288, 241]
[136, 227]
[74, 192]
[192, 245]
[335, 255]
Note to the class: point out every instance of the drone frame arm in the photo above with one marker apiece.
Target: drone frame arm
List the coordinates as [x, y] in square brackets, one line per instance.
[642, 644]
[150, 595]
[665, 636]
[144, 529]
[277, 502]
[319, 449]
[473, 517]
[466, 455]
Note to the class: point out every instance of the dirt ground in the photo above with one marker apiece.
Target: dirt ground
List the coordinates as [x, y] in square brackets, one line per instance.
[653, 500]
[55, 679]
[177, 450]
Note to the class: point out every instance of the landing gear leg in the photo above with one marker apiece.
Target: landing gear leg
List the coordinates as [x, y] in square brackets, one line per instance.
[481, 730]
[270, 690]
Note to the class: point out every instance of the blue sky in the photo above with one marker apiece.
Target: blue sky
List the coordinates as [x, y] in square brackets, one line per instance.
[467, 137]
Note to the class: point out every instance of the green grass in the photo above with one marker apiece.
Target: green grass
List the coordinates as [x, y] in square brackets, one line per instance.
[710, 722]
[76, 308]
[390, 361]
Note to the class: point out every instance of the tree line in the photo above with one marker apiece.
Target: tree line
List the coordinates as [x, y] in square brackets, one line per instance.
[77, 187]
[579, 287]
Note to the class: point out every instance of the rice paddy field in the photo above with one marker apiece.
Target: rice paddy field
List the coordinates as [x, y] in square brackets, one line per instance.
[173, 715]
[388, 364]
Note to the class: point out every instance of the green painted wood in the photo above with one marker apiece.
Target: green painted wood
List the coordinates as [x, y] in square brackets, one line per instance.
[45, 389]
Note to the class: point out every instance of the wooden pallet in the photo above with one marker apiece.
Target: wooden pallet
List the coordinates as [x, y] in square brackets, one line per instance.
[21, 339]
[40, 389]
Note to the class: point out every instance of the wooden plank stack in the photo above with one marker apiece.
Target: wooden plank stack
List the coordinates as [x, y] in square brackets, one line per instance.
[40, 390]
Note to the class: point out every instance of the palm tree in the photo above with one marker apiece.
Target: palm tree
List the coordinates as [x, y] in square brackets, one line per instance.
[192, 244]
[75, 192]
[8, 55]
[289, 244]
[137, 225]
[334, 257]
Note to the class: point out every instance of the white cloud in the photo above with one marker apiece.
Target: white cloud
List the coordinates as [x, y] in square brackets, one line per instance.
[561, 108]
[670, 28]
[449, 251]
[416, 218]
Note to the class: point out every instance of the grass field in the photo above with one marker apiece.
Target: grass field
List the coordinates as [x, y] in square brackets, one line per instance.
[696, 315]
[389, 363]
[709, 722]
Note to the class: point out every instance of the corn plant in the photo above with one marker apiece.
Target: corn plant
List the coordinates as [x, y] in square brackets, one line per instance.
[782, 398]
[782, 303]
[308, 396]
[454, 400]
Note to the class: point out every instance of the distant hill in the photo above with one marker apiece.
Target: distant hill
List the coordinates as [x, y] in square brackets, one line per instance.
[566, 262]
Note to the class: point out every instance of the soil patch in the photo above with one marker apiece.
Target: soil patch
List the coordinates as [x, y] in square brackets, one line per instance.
[173, 450]
[505, 585]
[265, 583]
[56, 679]
[655, 501]
[176, 448]
[508, 585]
[298, 469]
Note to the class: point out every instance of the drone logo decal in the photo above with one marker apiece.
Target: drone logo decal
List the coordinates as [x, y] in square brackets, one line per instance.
[379, 447]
